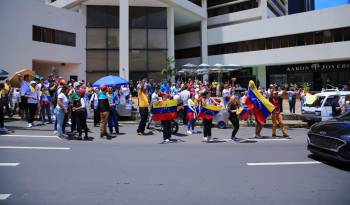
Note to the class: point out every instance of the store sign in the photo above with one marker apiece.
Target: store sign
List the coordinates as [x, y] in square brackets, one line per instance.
[319, 67]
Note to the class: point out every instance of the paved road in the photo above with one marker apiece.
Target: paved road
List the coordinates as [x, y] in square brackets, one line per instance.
[132, 169]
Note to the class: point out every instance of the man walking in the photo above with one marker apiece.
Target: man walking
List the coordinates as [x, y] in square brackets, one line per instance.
[103, 106]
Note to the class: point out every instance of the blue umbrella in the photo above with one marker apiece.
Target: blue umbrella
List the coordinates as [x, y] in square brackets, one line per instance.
[110, 80]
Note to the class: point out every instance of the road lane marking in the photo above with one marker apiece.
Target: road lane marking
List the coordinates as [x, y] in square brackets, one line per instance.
[269, 139]
[4, 196]
[8, 164]
[42, 148]
[282, 163]
[33, 136]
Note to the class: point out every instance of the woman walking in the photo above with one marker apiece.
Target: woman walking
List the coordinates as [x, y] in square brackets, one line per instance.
[233, 106]
[191, 114]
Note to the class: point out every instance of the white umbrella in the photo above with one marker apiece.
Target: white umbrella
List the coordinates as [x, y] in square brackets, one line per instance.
[204, 65]
[189, 65]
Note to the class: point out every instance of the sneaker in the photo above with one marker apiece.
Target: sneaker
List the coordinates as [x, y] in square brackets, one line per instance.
[258, 136]
[166, 141]
[274, 135]
[205, 139]
[189, 132]
[30, 125]
[55, 132]
[286, 135]
[235, 139]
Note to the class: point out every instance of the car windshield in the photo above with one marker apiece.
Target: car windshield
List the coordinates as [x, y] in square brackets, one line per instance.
[344, 117]
[318, 102]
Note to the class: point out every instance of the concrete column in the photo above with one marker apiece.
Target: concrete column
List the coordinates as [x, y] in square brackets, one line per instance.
[263, 8]
[204, 39]
[171, 36]
[124, 39]
[260, 73]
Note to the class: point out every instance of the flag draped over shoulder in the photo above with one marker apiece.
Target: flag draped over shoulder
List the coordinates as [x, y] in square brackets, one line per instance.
[208, 112]
[261, 107]
[164, 110]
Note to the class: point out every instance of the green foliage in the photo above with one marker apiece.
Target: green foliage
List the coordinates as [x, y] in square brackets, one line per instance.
[169, 70]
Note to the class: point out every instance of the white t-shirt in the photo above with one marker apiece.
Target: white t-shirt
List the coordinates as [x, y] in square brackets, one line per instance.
[185, 95]
[154, 97]
[190, 104]
[226, 92]
[64, 99]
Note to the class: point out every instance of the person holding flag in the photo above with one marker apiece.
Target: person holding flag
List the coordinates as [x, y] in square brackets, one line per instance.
[258, 105]
[207, 111]
[165, 110]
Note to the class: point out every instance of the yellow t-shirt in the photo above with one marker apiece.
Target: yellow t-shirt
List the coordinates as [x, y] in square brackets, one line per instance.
[143, 99]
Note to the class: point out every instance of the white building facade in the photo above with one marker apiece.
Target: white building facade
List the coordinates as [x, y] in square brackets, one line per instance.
[133, 38]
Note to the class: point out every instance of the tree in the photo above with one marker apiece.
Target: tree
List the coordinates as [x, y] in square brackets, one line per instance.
[169, 70]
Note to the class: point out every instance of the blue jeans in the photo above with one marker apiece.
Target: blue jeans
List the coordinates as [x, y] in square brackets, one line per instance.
[113, 120]
[190, 125]
[45, 109]
[59, 120]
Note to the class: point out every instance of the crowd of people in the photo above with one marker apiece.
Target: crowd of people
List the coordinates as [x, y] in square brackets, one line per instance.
[55, 101]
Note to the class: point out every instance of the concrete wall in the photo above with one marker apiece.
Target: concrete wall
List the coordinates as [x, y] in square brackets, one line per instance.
[18, 50]
[237, 17]
[188, 40]
[299, 23]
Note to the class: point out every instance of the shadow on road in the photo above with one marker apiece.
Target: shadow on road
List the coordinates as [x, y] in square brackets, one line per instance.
[335, 164]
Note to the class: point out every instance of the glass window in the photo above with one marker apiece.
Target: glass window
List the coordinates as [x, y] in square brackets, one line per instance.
[138, 60]
[318, 37]
[96, 38]
[300, 40]
[276, 42]
[112, 13]
[48, 35]
[327, 36]
[261, 44]
[113, 62]
[138, 38]
[346, 33]
[96, 60]
[284, 41]
[113, 38]
[157, 60]
[138, 17]
[96, 16]
[337, 35]
[292, 40]
[157, 18]
[269, 43]
[93, 77]
[37, 33]
[157, 38]
[309, 38]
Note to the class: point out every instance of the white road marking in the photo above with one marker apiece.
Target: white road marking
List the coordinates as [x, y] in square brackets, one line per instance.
[269, 139]
[33, 136]
[4, 196]
[43, 148]
[8, 164]
[282, 163]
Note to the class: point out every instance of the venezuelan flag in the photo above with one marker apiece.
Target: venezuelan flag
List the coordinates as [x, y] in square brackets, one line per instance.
[208, 111]
[262, 108]
[244, 112]
[164, 110]
[190, 114]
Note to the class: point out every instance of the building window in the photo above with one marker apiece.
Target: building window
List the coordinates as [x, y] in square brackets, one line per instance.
[190, 53]
[147, 39]
[301, 39]
[48, 35]
[230, 8]
[96, 38]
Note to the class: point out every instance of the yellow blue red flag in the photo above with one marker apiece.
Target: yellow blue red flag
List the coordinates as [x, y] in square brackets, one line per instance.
[261, 107]
[208, 111]
[164, 110]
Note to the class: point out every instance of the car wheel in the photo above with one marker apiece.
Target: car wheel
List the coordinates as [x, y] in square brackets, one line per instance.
[222, 125]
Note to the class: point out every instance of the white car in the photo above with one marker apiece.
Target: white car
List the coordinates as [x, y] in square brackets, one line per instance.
[321, 108]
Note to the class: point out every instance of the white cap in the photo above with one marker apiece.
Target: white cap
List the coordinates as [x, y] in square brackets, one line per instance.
[32, 82]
